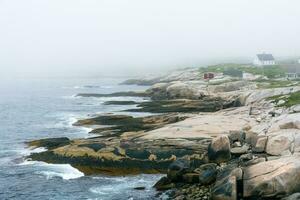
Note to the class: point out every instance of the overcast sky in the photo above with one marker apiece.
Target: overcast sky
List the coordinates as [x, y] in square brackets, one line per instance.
[103, 37]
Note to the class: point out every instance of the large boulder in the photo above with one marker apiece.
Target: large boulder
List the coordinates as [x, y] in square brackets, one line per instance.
[280, 143]
[164, 184]
[182, 90]
[286, 121]
[272, 179]
[226, 186]
[177, 169]
[228, 87]
[219, 149]
[225, 189]
[207, 173]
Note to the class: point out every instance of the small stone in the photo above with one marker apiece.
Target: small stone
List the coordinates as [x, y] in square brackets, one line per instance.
[239, 150]
[236, 144]
[140, 188]
[281, 102]
[258, 119]
[247, 156]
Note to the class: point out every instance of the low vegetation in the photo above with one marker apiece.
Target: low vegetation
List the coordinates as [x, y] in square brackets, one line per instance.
[265, 84]
[275, 71]
[287, 100]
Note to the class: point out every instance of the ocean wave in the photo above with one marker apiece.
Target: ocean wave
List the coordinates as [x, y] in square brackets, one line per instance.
[64, 171]
[28, 151]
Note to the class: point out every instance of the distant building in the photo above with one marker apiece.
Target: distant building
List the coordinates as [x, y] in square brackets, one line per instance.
[264, 60]
[293, 71]
[208, 75]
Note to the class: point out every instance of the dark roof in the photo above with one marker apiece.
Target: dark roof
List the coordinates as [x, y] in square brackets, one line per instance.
[264, 57]
[292, 68]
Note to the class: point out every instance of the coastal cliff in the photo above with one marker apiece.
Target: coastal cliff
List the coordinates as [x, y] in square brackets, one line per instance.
[230, 139]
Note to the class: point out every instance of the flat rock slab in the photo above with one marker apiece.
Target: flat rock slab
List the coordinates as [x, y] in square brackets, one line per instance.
[206, 125]
[272, 179]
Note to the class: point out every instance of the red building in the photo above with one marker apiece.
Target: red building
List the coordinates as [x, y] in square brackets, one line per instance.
[209, 75]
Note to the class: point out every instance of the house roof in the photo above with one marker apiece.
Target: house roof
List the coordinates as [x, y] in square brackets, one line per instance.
[265, 57]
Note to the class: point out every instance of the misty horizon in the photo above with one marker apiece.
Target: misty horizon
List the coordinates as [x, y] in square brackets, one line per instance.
[104, 38]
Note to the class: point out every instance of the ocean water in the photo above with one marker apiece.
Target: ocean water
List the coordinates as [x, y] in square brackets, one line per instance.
[39, 108]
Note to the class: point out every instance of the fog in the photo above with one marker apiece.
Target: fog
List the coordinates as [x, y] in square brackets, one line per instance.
[131, 37]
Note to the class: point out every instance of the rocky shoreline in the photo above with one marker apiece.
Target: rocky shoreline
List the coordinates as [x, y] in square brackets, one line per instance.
[227, 140]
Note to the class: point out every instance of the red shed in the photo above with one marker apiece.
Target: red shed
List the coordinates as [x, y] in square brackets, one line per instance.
[209, 75]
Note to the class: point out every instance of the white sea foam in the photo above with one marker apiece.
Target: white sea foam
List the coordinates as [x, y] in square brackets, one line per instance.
[65, 171]
[28, 151]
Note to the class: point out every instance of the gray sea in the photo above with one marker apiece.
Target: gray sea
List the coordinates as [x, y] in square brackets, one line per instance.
[46, 107]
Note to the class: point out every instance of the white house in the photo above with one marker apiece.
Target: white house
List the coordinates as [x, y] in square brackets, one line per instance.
[264, 60]
[293, 71]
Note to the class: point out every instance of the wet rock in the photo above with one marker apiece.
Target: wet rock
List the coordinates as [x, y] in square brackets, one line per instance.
[164, 184]
[120, 103]
[123, 123]
[140, 188]
[230, 170]
[205, 104]
[190, 178]
[219, 149]
[225, 189]
[239, 150]
[50, 143]
[207, 173]
[226, 186]
[177, 169]
[272, 179]
[295, 196]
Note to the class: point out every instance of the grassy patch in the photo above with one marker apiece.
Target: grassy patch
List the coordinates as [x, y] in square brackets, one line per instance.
[265, 84]
[275, 71]
[289, 100]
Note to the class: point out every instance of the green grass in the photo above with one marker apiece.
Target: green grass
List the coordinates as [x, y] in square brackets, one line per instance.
[266, 84]
[275, 71]
[290, 100]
